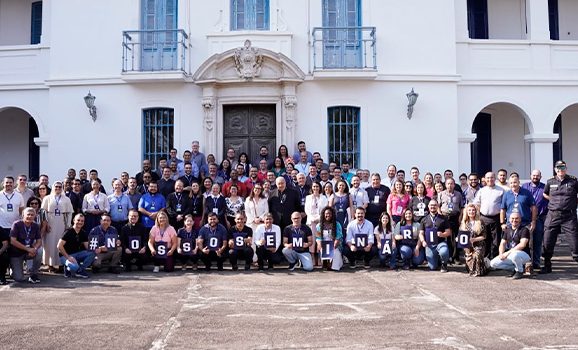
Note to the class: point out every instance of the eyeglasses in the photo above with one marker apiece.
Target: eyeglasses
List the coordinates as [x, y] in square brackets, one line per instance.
[562, 167]
[34, 203]
[57, 186]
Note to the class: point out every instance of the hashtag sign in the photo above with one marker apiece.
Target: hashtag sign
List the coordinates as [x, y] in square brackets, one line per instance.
[93, 243]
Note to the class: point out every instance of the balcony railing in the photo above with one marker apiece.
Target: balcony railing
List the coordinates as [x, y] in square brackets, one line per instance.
[344, 48]
[155, 50]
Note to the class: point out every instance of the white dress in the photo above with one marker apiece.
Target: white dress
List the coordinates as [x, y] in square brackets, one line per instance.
[58, 213]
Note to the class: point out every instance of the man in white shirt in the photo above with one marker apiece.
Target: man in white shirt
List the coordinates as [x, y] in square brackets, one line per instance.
[489, 201]
[267, 238]
[11, 205]
[360, 240]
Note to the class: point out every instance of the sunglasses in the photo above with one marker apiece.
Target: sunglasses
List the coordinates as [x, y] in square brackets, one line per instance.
[34, 203]
[561, 167]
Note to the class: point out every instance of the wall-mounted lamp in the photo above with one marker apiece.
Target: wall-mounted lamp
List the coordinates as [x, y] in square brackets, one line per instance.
[412, 98]
[89, 100]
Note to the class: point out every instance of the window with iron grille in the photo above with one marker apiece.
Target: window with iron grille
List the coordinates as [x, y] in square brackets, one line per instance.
[249, 14]
[343, 134]
[158, 133]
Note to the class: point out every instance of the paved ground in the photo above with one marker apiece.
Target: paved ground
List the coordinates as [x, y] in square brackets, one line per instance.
[350, 309]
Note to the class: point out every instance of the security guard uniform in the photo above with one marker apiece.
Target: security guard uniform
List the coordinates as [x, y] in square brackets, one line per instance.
[561, 216]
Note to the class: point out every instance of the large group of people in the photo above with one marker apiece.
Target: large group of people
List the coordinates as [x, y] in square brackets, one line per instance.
[285, 208]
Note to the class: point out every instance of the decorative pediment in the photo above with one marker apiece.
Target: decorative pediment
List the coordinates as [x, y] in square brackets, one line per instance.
[248, 63]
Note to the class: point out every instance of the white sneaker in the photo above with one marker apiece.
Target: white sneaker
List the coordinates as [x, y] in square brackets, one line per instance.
[156, 269]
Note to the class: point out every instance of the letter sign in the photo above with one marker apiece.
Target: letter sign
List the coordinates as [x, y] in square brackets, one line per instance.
[162, 250]
[134, 243]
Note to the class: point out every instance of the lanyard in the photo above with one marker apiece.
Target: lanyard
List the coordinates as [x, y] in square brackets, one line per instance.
[516, 196]
[119, 199]
[28, 233]
[9, 198]
[179, 196]
[188, 234]
[162, 233]
[215, 200]
[514, 234]
[96, 198]
[57, 200]
[297, 230]
[360, 228]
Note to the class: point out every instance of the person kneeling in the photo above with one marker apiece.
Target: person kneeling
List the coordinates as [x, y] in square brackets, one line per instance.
[73, 250]
[297, 239]
[514, 249]
[25, 244]
[163, 243]
[240, 240]
[212, 242]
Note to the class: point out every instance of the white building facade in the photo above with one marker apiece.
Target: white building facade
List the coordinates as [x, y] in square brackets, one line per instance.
[497, 82]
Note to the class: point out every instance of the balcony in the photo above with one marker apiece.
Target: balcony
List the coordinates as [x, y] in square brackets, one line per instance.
[344, 51]
[155, 55]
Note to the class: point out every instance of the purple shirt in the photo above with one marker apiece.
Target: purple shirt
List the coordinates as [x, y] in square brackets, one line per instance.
[538, 194]
[25, 235]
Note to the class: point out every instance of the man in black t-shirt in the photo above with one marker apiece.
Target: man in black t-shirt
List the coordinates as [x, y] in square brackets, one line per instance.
[377, 194]
[240, 240]
[73, 250]
[435, 231]
[514, 248]
[297, 239]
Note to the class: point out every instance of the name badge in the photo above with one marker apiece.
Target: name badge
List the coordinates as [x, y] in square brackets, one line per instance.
[239, 241]
[341, 210]
[360, 240]
[119, 208]
[376, 199]
[195, 212]
[162, 250]
[399, 210]
[179, 208]
[187, 247]
[56, 212]
[431, 236]
[450, 206]
[153, 206]
[326, 235]
[28, 243]
[110, 240]
[270, 240]
[134, 243]
[303, 201]
[463, 239]
[216, 211]
[9, 207]
[327, 250]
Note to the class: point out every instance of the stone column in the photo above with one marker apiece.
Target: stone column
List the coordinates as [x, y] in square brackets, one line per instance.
[465, 152]
[209, 104]
[541, 152]
[289, 105]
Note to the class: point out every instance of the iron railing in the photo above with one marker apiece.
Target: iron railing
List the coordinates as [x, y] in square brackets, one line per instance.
[155, 50]
[344, 48]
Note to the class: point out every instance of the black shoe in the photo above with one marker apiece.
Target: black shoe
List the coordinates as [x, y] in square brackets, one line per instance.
[518, 275]
[546, 269]
[207, 267]
[352, 265]
[292, 266]
[247, 267]
[220, 267]
[270, 267]
[33, 279]
[113, 270]
[95, 269]
[366, 265]
[511, 274]
[235, 267]
[139, 267]
[444, 268]
[261, 268]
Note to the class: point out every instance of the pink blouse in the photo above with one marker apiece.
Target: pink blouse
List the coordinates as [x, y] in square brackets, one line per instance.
[398, 204]
[165, 235]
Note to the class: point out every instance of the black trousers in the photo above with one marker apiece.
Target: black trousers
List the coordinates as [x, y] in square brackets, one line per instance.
[560, 222]
[359, 254]
[454, 221]
[212, 256]
[134, 258]
[185, 259]
[493, 235]
[246, 254]
[271, 258]
[4, 263]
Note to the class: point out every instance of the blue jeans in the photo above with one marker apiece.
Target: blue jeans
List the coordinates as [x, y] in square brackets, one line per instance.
[435, 253]
[514, 262]
[407, 255]
[390, 258]
[537, 240]
[305, 258]
[18, 261]
[84, 259]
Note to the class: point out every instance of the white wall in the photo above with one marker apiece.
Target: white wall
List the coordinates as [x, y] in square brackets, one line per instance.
[506, 19]
[15, 22]
[509, 150]
[14, 144]
[567, 17]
